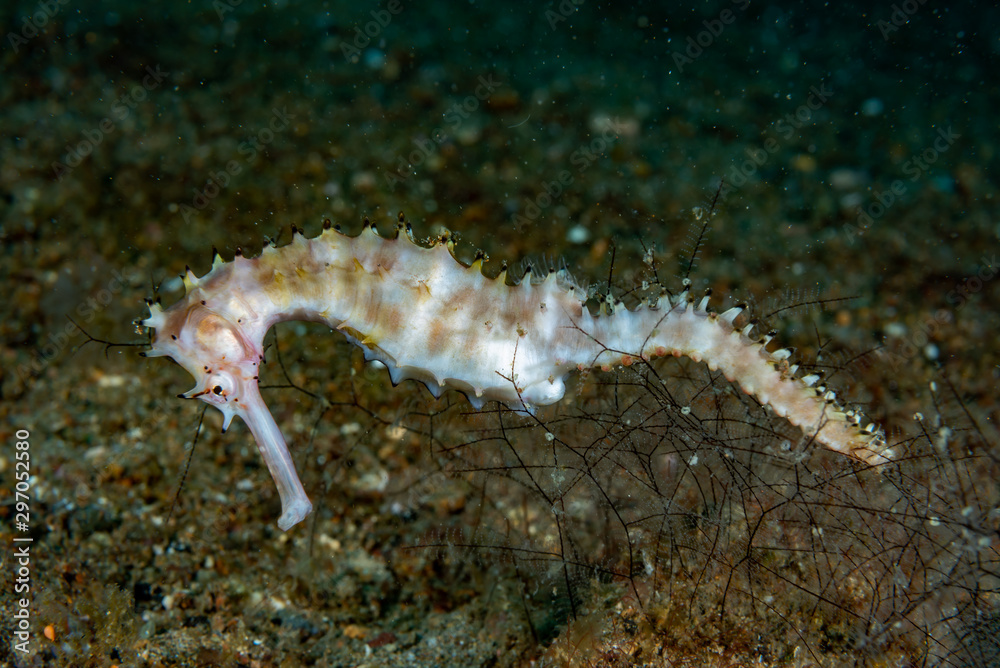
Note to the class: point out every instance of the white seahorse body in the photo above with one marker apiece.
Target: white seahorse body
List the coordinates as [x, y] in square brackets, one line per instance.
[430, 318]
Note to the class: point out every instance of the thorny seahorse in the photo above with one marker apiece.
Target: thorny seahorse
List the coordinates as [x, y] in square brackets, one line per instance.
[429, 317]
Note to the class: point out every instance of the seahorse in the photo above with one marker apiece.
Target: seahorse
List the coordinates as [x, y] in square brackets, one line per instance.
[427, 316]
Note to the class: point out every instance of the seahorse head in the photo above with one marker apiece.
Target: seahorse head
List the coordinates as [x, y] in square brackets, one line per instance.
[214, 348]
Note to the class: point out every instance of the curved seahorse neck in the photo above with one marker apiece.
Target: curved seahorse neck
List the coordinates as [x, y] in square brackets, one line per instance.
[430, 318]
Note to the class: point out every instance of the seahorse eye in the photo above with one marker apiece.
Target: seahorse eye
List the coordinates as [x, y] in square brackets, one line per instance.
[221, 385]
